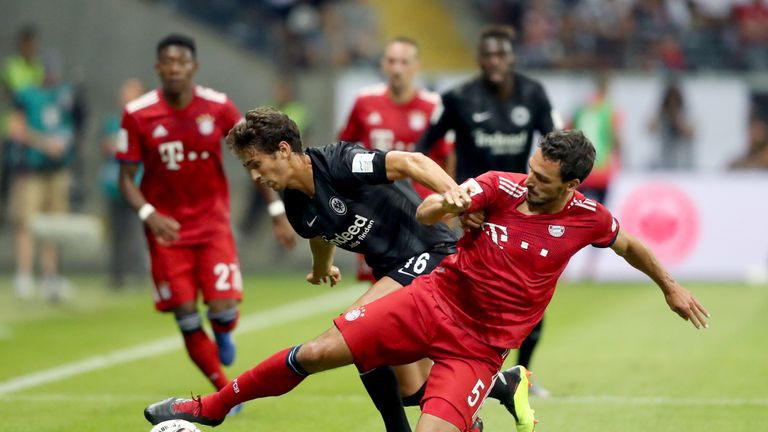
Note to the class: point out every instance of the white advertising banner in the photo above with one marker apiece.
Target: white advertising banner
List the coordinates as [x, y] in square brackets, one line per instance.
[701, 227]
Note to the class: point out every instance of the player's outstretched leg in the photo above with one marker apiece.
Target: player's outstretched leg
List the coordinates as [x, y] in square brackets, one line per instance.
[511, 389]
[276, 375]
[222, 323]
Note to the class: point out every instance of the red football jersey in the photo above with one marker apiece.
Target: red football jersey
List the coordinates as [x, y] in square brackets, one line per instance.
[502, 278]
[377, 122]
[181, 152]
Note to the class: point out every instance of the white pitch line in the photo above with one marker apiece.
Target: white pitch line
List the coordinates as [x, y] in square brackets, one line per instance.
[255, 321]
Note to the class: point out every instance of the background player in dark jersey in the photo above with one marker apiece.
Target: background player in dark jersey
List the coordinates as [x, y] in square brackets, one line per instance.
[495, 117]
[393, 115]
[478, 304]
[343, 195]
[175, 132]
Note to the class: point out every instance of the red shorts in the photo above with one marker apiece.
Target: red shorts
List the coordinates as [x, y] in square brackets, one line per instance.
[408, 325]
[179, 272]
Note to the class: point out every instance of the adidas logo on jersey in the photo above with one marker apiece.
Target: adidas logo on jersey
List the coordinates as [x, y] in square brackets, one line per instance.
[159, 132]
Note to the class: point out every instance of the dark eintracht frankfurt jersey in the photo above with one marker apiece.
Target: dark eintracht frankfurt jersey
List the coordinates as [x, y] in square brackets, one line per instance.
[358, 209]
[491, 134]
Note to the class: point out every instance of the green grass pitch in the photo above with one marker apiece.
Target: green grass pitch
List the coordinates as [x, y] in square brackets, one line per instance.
[614, 357]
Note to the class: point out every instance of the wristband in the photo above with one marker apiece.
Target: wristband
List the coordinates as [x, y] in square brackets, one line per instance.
[276, 208]
[146, 210]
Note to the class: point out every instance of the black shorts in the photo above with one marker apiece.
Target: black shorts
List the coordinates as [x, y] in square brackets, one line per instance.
[405, 272]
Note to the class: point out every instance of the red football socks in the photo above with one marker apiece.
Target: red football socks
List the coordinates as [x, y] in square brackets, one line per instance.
[203, 352]
[272, 377]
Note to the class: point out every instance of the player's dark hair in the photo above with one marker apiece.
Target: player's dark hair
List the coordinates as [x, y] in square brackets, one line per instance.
[27, 32]
[177, 40]
[406, 40]
[503, 32]
[573, 150]
[262, 130]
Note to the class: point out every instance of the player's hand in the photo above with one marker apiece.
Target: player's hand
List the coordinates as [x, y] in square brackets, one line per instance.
[456, 200]
[284, 232]
[683, 303]
[332, 275]
[472, 220]
[165, 229]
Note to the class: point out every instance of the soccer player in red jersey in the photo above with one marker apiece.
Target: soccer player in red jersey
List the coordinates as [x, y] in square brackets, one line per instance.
[393, 115]
[175, 133]
[477, 305]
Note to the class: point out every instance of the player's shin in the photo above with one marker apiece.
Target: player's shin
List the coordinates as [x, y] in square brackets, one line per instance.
[223, 322]
[274, 376]
[381, 384]
[201, 348]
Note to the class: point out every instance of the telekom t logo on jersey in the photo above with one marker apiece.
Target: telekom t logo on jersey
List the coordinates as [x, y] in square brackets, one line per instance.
[498, 233]
[171, 153]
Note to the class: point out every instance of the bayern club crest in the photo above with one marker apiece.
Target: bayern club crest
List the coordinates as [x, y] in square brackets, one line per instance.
[556, 230]
[355, 314]
[417, 120]
[205, 124]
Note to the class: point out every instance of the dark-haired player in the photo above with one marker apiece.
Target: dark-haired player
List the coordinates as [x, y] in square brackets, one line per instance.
[175, 131]
[477, 305]
[495, 117]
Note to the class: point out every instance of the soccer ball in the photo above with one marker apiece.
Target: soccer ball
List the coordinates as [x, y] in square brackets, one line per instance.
[175, 426]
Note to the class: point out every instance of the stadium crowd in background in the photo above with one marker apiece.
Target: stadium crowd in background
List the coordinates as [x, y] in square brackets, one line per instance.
[554, 34]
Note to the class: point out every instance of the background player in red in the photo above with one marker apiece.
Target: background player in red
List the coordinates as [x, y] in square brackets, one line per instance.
[393, 115]
[478, 304]
[176, 132]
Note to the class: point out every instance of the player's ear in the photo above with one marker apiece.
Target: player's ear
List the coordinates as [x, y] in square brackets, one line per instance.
[284, 149]
[572, 184]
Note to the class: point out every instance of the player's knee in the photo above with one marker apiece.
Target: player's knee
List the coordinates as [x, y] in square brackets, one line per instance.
[188, 322]
[223, 321]
[323, 353]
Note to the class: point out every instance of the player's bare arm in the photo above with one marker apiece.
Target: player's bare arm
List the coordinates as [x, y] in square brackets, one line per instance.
[436, 206]
[323, 270]
[281, 228]
[166, 229]
[679, 299]
[419, 168]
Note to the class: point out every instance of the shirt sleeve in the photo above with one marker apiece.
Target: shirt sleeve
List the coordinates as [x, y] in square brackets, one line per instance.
[606, 229]
[443, 119]
[230, 116]
[353, 130]
[129, 140]
[353, 164]
[482, 190]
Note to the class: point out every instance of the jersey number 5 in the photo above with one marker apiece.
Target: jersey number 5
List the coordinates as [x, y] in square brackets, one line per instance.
[474, 397]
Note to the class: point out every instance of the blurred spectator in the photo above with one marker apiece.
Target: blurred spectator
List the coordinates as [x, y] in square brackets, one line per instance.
[757, 151]
[674, 129]
[23, 69]
[127, 256]
[600, 121]
[752, 27]
[42, 179]
[19, 71]
[284, 99]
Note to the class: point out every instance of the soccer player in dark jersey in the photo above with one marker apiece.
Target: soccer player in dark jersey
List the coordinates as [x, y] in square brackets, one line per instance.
[476, 306]
[495, 116]
[343, 196]
[175, 133]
